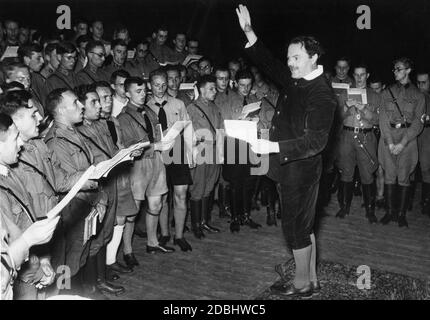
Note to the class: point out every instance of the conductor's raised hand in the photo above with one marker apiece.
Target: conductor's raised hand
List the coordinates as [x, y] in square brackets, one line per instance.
[244, 18]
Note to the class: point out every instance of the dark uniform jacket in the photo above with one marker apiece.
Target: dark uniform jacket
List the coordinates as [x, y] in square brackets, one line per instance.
[301, 123]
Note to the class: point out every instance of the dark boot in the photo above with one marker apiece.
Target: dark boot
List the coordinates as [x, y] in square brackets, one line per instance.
[390, 204]
[196, 218]
[102, 284]
[223, 200]
[206, 213]
[235, 205]
[345, 198]
[247, 221]
[404, 196]
[412, 189]
[425, 198]
[369, 201]
[271, 219]
[357, 184]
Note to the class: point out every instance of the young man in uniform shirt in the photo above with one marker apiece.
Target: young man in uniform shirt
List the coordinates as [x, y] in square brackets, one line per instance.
[138, 122]
[169, 110]
[93, 72]
[64, 76]
[119, 99]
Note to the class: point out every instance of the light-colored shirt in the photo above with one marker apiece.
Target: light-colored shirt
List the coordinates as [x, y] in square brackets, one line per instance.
[118, 106]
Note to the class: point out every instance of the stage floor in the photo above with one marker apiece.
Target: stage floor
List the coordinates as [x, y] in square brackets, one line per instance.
[241, 265]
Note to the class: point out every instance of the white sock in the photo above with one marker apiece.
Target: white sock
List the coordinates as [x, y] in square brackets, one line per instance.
[113, 245]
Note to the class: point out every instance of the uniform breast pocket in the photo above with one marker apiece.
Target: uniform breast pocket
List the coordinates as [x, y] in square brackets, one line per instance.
[17, 212]
[409, 105]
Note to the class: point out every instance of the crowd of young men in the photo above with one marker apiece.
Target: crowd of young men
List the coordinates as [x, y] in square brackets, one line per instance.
[67, 104]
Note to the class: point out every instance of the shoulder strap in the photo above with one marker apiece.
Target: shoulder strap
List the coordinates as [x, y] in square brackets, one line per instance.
[43, 175]
[206, 116]
[76, 145]
[97, 146]
[397, 105]
[20, 202]
[85, 71]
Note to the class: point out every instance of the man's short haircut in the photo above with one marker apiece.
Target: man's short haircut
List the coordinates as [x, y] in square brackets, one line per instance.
[14, 100]
[204, 59]
[344, 58]
[82, 91]
[82, 39]
[422, 72]
[118, 42]
[79, 21]
[311, 45]
[133, 80]
[92, 44]
[161, 28]
[172, 67]
[244, 74]
[157, 73]
[181, 68]
[65, 47]
[28, 49]
[11, 86]
[180, 32]
[49, 48]
[5, 123]
[95, 21]
[9, 68]
[119, 73]
[375, 79]
[101, 84]
[10, 21]
[118, 29]
[362, 65]
[221, 68]
[54, 98]
[205, 79]
[405, 61]
[192, 40]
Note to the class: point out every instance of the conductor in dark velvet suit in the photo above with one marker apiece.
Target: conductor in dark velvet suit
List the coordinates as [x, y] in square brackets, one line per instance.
[298, 134]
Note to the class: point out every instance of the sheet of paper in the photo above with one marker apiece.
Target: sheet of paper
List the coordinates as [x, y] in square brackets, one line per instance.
[10, 52]
[104, 167]
[130, 54]
[72, 193]
[249, 108]
[191, 58]
[241, 129]
[342, 86]
[358, 95]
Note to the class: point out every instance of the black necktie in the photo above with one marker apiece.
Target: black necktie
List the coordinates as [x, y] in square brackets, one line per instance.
[112, 130]
[162, 118]
[244, 101]
[149, 128]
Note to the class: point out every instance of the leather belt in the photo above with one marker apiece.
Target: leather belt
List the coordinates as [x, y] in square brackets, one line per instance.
[357, 130]
[400, 125]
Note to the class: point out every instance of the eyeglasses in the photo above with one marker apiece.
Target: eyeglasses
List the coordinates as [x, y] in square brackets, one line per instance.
[398, 69]
[101, 55]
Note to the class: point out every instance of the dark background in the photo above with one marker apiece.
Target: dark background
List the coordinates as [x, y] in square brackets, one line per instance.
[399, 27]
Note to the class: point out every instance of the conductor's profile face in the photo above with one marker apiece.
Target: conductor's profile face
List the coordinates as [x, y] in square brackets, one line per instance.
[299, 61]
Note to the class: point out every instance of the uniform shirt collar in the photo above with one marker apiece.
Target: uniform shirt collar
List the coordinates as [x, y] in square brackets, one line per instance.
[4, 171]
[316, 73]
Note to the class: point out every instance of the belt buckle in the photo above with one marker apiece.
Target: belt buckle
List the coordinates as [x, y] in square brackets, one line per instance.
[398, 125]
[356, 130]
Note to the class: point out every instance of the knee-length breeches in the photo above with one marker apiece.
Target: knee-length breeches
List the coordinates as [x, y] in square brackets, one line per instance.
[204, 177]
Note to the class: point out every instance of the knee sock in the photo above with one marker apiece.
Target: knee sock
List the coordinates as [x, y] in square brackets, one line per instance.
[113, 245]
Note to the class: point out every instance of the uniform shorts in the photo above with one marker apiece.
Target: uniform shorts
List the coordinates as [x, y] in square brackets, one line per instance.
[148, 177]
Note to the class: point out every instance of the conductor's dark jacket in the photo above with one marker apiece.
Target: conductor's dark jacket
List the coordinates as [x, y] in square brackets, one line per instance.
[302, 121]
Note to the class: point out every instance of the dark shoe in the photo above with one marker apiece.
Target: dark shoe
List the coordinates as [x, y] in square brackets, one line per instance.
[159, 249]
[117, 267]
[247, 221]
[110, 288]
[235, 225]
[198, 233]
[372, 218]
[209, 228]
[402, 221]
[141, 234]
[92, 292]
[344, 197]
[369, 194]
[271, 219]
[390, 204]
[163, 240]
[111, 275]
[292, 291]
[130, 260]
[183, 244]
